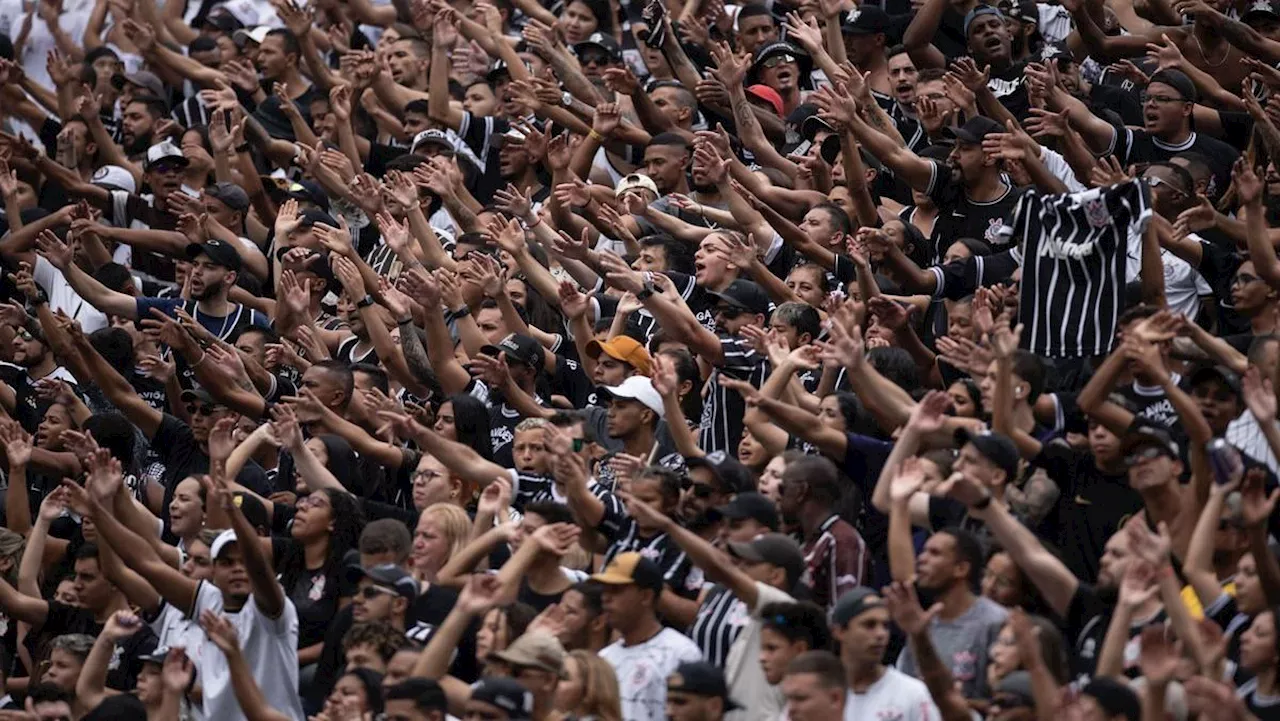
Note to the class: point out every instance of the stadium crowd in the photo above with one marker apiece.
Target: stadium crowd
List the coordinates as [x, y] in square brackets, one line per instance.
[411, 360]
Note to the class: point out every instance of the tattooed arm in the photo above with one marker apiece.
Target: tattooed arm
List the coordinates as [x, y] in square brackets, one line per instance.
[1033, 500]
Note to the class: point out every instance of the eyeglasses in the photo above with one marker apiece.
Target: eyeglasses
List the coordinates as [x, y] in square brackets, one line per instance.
[1150, 453]
[729, 312]
[777, 60]
[594, 59]
[1244, 279]
[371, 592]
[165, 168]
[1160, 99]
[425, 477]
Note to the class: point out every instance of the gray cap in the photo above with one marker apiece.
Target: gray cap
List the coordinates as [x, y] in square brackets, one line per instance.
[854, 603]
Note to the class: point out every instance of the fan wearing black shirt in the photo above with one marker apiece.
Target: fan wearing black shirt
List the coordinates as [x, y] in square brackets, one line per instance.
[1167, 106]
[989, 43]
[50, 619]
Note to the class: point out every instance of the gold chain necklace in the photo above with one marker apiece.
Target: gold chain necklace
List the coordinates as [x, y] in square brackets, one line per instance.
[1205, 57]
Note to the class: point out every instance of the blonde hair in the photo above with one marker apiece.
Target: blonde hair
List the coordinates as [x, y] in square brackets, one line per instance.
[12, 545]
[600, 695]
[453, 522]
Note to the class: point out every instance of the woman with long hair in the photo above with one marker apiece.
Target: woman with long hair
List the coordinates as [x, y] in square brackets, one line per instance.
[588, 690]
[326, 524]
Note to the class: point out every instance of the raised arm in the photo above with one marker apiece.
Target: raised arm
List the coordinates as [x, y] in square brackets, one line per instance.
[96, 294]
[1056, 583]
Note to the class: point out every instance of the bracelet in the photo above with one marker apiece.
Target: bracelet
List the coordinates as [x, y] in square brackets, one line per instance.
[983, 504]
[404, 322]
[595, 136]
[203, 357]
[242, 148]
[463, 313]
[365, 302]
[537, 220]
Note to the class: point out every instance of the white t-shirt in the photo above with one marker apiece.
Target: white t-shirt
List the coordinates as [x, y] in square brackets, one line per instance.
[748, 687]
[62, 297]
[270, 647]
[1183, 284]
[895, 696]
[643, 670]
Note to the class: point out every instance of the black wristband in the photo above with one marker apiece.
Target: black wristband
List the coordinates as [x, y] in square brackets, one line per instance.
[242, 148]
[646, 292]
[463, 313]
[983, 504]
[365, 302]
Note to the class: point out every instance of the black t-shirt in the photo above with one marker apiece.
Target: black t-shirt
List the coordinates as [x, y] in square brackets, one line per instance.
[177, 448]
[1010, 88]
[310, 592]
[1088, 616]
[1122, 101]
[961, 217]
[961, 278]
[122, 670]
[1092, 507]
[1138, 146]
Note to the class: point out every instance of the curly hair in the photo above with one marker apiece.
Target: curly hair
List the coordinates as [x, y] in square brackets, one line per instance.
[383, 637]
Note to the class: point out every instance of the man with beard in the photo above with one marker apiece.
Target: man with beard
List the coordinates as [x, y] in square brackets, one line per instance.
[277, 61]
[215, 265]
[138, 124]
[1167, 105]
[666, 163]
[835, 555]
[34, 362]
[134, 216]
[989, 44]
[1086, 608]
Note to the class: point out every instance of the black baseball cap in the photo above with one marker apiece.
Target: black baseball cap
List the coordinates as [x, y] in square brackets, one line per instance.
[1177, 80]
[975, 129]
[388, 575]
[750, 505]
[121, 707]
[745, 294]
[199, 395]
[728, 471]
[517, 348]
[1147, 435]
[701, 679]
[1260, 10]
[1228, 377]
[1115, 697]
[775, 549]
[311, 217]
[604, 41]
[865, 20]
[505, 693]
[995, 447]
[218, 250]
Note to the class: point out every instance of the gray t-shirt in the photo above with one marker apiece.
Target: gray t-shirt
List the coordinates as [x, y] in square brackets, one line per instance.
[963, 644]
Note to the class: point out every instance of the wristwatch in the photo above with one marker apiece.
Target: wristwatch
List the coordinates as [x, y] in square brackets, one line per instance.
[365, 302]
[647, 291]
[566, 99]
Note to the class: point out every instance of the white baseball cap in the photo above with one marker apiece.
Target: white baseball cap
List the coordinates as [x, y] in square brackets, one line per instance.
[114, 177]
[638, 388]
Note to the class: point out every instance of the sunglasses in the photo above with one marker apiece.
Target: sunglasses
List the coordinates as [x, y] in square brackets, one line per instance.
[1157, 182]
[371, 592]
[1150, 453]
[702, 490]
[203, 409]
[777, 60]
[593, 59]
[729, 312]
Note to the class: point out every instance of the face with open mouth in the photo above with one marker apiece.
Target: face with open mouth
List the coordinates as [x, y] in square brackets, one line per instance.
[989, 39]
[1164, 110]
[902, 76]
[780, 72]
